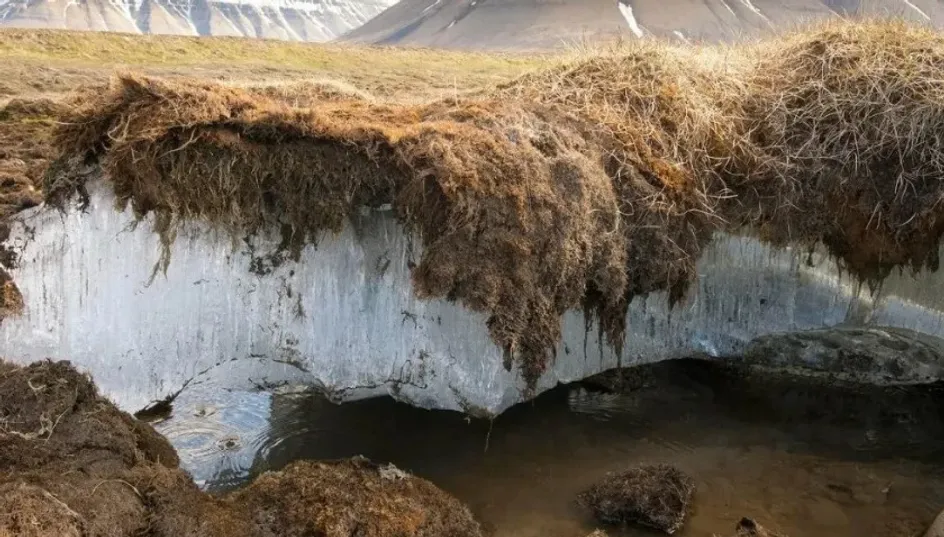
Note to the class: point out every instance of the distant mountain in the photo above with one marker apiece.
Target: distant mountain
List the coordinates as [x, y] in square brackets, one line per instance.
[299, 20]
[549, 23]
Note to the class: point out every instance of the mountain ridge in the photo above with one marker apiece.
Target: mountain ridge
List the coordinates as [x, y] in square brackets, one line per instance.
[542, 24]
[295, 20]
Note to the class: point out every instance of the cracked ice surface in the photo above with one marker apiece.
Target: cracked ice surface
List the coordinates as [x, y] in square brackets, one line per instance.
[344, 317]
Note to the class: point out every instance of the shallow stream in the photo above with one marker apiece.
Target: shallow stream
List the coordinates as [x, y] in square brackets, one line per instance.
[800, 456]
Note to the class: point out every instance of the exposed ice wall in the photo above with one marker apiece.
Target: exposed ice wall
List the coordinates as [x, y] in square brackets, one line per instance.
[344, 317]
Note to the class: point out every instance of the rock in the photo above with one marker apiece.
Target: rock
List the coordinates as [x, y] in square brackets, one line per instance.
[656, 496]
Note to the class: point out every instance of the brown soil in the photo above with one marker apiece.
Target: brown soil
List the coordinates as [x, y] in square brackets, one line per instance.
[577, 187]
[657, 496]
[75, 466]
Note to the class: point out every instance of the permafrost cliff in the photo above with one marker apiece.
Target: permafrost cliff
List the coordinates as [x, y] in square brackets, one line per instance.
[470, 254]
[301, 20]
[344, 317]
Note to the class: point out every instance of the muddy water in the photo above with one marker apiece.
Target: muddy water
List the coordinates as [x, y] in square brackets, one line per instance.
[810, 460]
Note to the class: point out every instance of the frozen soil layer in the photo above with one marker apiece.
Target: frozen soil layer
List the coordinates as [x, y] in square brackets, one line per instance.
[75, 466]
[577, 187]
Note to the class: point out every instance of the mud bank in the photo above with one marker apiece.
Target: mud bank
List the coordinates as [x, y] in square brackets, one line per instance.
[75, 466]
[649, 203]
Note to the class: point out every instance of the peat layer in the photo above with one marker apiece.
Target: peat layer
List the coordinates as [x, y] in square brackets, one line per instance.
[75, 466]
[580, 186]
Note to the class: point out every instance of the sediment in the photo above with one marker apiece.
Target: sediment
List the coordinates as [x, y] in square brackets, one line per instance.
[75, 466]
[581, 186]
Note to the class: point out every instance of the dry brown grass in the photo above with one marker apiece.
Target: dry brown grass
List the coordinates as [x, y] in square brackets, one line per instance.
[54, 61]
[579, 186]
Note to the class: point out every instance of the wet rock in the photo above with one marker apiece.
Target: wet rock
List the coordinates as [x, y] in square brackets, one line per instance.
[656, 496]
[856, 354]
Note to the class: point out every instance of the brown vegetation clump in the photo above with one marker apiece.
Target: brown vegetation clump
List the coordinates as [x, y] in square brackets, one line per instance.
[657, 496]
[580, 186]
[353, 497]
[66, 453]
[25, 150]
[75, 466]
[747, 527]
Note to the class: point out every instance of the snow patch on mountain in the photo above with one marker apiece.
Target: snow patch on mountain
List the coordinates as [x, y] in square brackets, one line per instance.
[297, 20]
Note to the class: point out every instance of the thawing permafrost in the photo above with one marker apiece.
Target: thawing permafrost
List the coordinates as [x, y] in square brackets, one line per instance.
[344, 317]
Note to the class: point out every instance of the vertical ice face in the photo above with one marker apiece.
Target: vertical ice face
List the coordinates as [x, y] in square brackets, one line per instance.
[300, 20]
[344, 317]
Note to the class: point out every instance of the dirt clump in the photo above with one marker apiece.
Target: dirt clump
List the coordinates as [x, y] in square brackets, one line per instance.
[75, 466]
[66, 454]
[353, 497]
[580, 186]
[657, 496]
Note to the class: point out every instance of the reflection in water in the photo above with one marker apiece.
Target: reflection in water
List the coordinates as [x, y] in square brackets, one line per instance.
[218, 433]
[813, 461]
